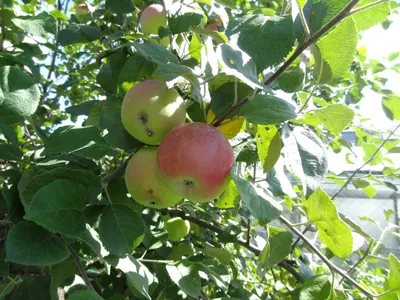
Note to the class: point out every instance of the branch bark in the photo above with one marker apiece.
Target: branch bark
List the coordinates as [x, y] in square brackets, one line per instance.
[343, 14]
[331, 266]
[81, 268]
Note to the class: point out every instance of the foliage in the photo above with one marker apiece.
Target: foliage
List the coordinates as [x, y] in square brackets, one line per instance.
[281, 79]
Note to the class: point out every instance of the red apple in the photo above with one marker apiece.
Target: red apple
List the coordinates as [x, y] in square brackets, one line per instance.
[195, 160]
[152, 18]
[214, 24]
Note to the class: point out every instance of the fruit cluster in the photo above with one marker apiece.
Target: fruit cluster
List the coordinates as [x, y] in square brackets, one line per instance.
[192, 161]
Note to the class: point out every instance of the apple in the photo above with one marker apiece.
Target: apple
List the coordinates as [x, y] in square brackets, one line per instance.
[177, 228]
[82, 13]
[143, 181]
[195, 160]
[152, 18]
[214, 24]
[150, 110]
[77, 91]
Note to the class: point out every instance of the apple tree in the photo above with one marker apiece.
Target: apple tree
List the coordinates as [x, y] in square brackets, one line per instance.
[165, 149]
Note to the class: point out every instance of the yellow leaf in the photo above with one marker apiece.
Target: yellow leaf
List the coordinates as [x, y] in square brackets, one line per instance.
[230, 128]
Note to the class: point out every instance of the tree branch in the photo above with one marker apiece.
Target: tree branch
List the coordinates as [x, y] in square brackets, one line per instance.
[356, 10]
[80, 267]
[3, 30]
[343, 14]
[366, 163]
[331, 266]
[256, 251]
[116, 172]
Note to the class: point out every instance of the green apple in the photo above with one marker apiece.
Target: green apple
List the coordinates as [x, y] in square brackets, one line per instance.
[195, 160]
[152, 18]
[77, 91]
[150, 110]
[82, 13]
[143, 182]
[177, 228]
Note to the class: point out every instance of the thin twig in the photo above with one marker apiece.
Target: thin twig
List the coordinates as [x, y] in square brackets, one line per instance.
[351, 270]
[81, 268]
[339, 17]
[157, 261]
[358, 9]
[116, 172]
[366, 163]
[3, 30]
[307, 31]
[204, 224]
[331, 266]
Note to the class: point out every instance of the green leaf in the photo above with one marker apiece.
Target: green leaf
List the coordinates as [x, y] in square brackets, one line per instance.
[57, 210]
[394, 276]
[371, 16]
[333, 232]
[6, 288]
[81, 109]
[268, 146]
[186, 277]
[267, 109]
[31, 245]
[182, 23]
[335, 117]
[367, 187]
[229, 198]
[316, 288]
[322, 12]
[34, 183]
[19, 95]
[222, 255]
[292, 81]
[33, 287]
[138, 277]
[120, 6]
[10, 152]
[85, 295]
[391, 106]
[313, 155]
[59, 274]
[263, 207]
[121, 229]
[110, 120]
[155, 53]
[82, 141]
[168, 72]
[336, 51]
[237, 63]
[218, 37]
[268, 40]
[135, 69]
[223, 97]
[279, 246]
[41, 24]
[91, 238]
[78, 34]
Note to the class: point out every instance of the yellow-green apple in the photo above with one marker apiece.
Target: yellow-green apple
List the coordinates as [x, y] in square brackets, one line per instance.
[77, 91]
[152, 18]
[82, 13]
[177, 228]
[195, 160]
[150, 110]
[143, 181]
